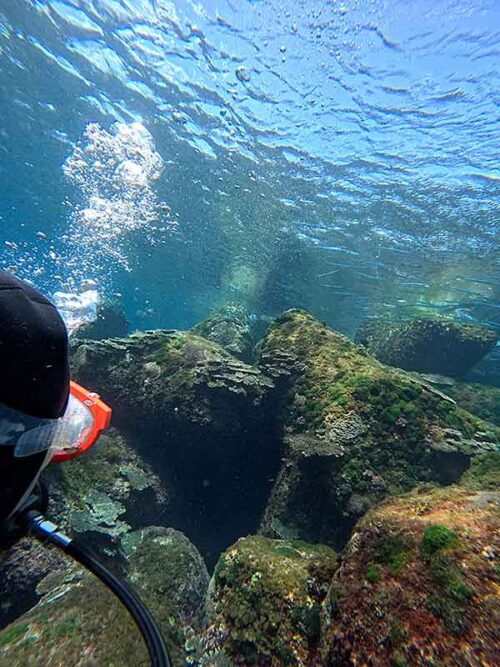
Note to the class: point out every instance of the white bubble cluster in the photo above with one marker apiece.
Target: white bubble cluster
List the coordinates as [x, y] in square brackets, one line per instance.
[114, 172]
[77, 309]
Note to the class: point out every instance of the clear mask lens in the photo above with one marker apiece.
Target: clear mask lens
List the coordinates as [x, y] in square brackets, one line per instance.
[60, 435]
[73, 428]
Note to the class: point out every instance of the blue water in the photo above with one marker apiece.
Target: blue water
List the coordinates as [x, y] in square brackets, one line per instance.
[340, 156]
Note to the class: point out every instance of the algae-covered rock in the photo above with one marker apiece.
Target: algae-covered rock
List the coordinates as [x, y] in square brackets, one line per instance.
[482, 400]
[109, 490]
[427, 344]
[167, 376]
[418, 584]
[231, 327]
[22, 567]
[355, 432]
[100, 496]
[264, 605]
[204, 419]
[166, 564]
[79, 622]
[483, 474]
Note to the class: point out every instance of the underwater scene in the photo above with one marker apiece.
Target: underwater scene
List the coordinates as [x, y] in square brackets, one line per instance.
[271, 228]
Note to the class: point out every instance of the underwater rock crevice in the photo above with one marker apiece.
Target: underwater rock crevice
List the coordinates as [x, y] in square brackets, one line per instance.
[204, 420]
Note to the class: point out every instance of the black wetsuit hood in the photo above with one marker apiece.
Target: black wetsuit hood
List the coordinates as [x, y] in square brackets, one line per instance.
[34, 369]
[34, 375]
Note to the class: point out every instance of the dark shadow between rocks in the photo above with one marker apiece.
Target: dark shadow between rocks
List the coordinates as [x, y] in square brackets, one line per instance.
[204, 421]
[222, 481]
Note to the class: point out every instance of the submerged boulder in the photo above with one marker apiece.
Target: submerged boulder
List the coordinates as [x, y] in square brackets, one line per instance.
[265, 600]
[79, 622]
[204, 419]
[487, 371]
[418, 584]
[355, 432]
[165, 563]
[231, 327]
[427, 344]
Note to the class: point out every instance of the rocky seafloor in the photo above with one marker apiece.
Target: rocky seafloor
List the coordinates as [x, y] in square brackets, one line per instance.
[278, 498]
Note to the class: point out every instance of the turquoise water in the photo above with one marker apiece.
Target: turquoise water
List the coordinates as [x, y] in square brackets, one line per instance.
[168, 161]
[340, 156]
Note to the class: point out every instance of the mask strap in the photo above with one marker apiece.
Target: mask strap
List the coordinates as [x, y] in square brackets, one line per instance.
[32, 485]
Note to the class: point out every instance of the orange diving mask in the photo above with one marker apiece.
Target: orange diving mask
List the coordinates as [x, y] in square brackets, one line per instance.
[84, 419]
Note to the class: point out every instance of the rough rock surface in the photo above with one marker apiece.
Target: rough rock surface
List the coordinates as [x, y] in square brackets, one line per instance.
[355, 432]
[480, 399]
[418, 584]
[165, 563]
[99, 497]
[231, 327]
[110, 490]
[483, 474]
[265, 600]
[22, 567]
[204, 418]
[79, 622]
[427, 345]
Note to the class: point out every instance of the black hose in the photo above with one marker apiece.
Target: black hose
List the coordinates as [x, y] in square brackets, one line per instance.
[47, 531]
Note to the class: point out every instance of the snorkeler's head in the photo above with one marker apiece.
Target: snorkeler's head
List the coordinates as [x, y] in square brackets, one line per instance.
[34, 368]
[34, 380]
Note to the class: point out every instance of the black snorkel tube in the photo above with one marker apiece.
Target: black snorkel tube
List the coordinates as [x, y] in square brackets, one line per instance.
[34, 523]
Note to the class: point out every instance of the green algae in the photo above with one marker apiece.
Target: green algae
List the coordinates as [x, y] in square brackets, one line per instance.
[85, 624]
[164, 562]
[396, 552]
[392, 553]
[79, 620]
[484, 472]
[482, 400]
[452, 593]
[373, 573]
[13, 633]
[268, 594]
[435, 539]
[371, 431]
